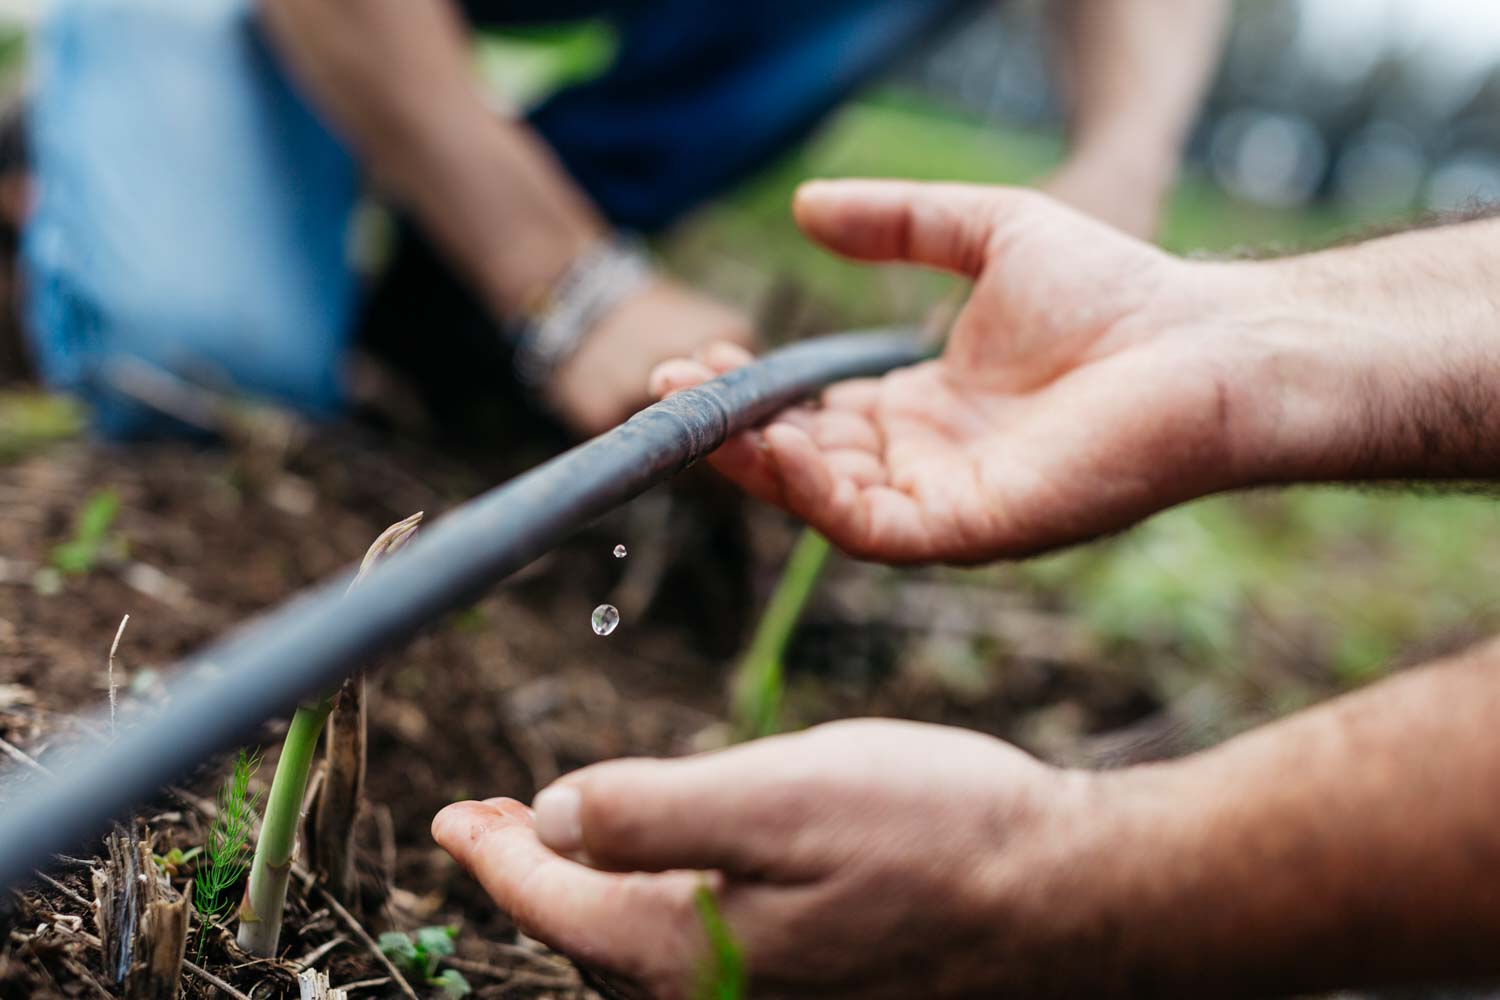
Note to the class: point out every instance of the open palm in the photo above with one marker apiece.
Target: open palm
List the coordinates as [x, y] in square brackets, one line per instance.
[1078, 391]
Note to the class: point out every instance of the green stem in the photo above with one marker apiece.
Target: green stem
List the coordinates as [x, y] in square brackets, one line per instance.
[755, 707]
[265, 893]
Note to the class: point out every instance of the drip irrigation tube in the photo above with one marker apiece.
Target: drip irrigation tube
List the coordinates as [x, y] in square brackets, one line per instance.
[218, 697]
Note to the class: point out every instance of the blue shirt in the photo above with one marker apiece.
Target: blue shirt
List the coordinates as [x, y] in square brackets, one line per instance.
[703, 92]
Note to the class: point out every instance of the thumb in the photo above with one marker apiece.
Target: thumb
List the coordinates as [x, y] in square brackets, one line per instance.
[723, 811]
[946, 226]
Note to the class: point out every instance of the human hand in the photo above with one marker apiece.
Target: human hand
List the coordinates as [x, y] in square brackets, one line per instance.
[1085, 385]
[606, 380]
[867, 858]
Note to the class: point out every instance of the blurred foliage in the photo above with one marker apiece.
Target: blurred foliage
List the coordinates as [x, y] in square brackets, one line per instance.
[524, 65]
[1336, 582]
[30, 421]
[896, 133]
[92, 540]
[759, 682]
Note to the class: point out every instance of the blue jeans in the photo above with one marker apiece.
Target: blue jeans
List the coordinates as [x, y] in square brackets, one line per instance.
[193, 213]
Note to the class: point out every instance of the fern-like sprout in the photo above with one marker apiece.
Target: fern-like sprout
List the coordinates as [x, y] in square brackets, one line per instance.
[227, 853]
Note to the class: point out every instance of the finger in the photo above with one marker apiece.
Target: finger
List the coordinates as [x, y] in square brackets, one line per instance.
[708, 362]
[803, 416]
[722, 356]
[867, 519]
[676, 375]
[825, 489]
[807, 483]
[571, 907]
[832, 429]
[861, 468]
[837, 429]
[860, 396]
[947, 226]
[728, 811]
[743, 461]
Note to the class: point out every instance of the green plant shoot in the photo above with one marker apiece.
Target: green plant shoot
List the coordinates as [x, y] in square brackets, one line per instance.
[226, 855]
[270, 870]
[91, 535]
[175, 860]
[759, 681]
[418, 955]
[723, 975]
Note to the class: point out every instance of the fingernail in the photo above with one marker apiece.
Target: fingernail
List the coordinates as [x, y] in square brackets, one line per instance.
[559, 820]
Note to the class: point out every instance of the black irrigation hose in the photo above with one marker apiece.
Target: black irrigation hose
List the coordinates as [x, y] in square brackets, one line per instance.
[222, 694]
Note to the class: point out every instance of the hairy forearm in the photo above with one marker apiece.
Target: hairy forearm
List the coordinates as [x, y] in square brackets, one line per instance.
[1378, 361]
[1134, 72]
[1354, 844]
[394, 78]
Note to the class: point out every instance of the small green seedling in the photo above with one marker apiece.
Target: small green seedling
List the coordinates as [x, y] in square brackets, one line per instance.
[91, 540]
[760, 679]
[226, 855]
[172, 863]
[723, 975]
[419, 954]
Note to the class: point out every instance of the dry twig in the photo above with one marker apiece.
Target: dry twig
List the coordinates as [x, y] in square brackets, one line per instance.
[16, 753]
[359, 931]
[90, 940]
[114, 648]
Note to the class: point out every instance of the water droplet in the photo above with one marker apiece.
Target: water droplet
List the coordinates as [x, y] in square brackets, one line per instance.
[606, 617]
[620, 552]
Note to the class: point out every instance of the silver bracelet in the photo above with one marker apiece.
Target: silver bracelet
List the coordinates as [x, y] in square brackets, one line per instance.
[600, 278]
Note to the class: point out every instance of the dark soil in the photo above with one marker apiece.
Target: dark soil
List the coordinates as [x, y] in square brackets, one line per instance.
[499, 699]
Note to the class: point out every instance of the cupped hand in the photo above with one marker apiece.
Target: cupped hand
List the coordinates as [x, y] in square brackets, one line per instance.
[867, 858]
[1083, 386]
[606, 380]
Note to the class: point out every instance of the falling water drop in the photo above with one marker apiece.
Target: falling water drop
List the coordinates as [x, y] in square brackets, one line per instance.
[606, 617]
[619, 552]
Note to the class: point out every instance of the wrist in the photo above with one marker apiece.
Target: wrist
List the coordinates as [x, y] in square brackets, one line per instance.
[496, 197]
[1066, 882]
[1147, 166]
[1145, 878]
[1284, 389]
[552, 328]
[1374, 361]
